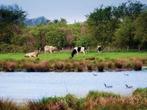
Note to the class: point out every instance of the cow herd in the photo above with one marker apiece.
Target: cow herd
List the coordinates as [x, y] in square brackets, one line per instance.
[52, 49]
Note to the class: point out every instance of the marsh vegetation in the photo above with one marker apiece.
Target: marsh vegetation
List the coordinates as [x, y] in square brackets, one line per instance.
[93, 101]
[60, 61]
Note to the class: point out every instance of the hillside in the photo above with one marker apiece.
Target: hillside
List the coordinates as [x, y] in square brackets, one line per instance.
[36, 21]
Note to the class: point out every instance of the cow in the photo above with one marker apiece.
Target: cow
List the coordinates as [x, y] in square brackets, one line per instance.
[32, 54]
[49, 49]
[76, 50]
[99, 48]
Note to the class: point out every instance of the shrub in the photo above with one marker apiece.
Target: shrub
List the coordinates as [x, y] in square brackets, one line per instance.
[119, 64]
[52, 103]
[30, 66]
[91, 58]
[8, 105]
[82, 66]
[41, 66]
[140, 92]
[91, 67]
[109, 65]
[93, 101]
[9, 66]
[100, 66]
[69, 66]
[59, 66]
[137, 65]
[128, 64]
[71, 101]
[11, 48]
[94, 95]
[144, 61]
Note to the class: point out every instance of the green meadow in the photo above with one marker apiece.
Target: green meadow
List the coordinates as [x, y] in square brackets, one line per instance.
[66, 55]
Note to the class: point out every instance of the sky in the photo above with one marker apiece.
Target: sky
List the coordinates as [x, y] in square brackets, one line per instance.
[71, 10]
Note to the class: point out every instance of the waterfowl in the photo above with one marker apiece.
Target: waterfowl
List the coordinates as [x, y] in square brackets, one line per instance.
[107, 86]
[94, 74]
[129, 87]
[126, 74]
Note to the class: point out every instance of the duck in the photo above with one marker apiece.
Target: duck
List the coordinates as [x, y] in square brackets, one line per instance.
[129, 87]
[106, 86]
[126, 74]
[94, 74]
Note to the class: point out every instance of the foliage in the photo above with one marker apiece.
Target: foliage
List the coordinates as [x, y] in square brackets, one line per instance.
[56, 36]
[113, 27]
[62, 62]
[102, 25]
[11, 22]
[85, 41]
[94, 95]
[140, 92]
[141, 30]
[93, 101]
[124, 36]
[129, 9]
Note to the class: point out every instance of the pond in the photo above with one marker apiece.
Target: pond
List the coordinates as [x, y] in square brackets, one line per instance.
[21, 86]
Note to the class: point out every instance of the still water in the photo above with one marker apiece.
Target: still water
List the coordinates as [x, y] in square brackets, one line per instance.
[23, 86]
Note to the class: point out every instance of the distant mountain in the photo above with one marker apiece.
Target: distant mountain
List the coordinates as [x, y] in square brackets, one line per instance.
[36, 21]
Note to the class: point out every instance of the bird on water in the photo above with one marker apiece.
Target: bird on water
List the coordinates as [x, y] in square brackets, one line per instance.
[107, 86]
[129, 87]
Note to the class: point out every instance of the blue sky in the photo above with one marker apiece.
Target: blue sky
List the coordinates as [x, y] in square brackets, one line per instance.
[71, 10]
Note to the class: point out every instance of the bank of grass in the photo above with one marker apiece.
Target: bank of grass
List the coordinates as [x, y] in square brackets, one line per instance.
[93, 101]
[61, 61]
[71, 65]
[66, 55]
[140, 92]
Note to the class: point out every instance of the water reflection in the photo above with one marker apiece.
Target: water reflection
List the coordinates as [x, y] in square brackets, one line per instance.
[19, 86]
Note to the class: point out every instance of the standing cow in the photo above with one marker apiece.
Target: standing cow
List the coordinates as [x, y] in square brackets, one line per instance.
[76, 50]
[49, 49]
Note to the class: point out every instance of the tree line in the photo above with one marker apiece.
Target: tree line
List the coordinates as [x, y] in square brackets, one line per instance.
[115, 28]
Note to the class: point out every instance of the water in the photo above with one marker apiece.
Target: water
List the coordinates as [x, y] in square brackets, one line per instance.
[23, 86]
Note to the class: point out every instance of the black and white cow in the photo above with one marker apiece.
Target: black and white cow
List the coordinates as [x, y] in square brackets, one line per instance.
[76, 50]
[99, 48]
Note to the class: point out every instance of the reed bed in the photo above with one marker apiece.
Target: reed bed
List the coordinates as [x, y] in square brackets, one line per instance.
[90, 64]
[93, 101]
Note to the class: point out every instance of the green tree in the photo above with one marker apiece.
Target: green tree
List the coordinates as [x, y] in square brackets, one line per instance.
[124, 35]
[50, 34]
[11, 22]
[128, 9]
[141, 30]
[63, 21]
[102, 25]
[85, 41]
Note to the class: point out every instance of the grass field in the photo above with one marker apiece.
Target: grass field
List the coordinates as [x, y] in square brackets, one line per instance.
[66, 55]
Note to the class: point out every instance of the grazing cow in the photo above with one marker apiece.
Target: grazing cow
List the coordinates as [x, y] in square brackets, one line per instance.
[50, 49]
[76, 50]
[99, 48]
[33, 54]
